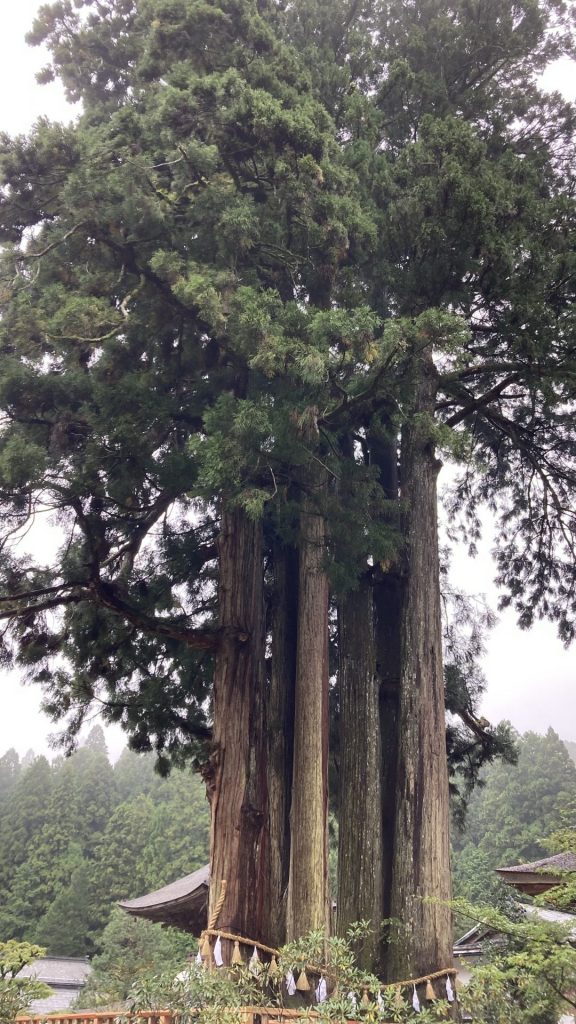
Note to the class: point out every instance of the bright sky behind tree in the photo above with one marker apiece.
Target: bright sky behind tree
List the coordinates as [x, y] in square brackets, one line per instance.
[531, 678]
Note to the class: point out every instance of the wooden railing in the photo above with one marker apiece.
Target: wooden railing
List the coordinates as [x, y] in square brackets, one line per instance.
[246, 1014]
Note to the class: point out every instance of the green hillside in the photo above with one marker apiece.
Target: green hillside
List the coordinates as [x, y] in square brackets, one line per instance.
[78, 834]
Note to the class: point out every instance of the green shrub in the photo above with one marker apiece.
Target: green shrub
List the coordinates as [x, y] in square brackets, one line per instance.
[16, 994]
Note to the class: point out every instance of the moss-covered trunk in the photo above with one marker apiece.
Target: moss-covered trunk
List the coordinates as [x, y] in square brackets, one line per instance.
[369, 687]
[308, 892]
[360, 846]
[238, 791]
[284, 626]
[421, 859]
[387, 602]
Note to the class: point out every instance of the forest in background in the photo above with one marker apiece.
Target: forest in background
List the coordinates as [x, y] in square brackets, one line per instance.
[80, 833]
[512, 814]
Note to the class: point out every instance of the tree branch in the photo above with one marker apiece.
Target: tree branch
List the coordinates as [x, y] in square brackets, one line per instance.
[172, 629]
[53, 245]
[42, 606]
[481, 401]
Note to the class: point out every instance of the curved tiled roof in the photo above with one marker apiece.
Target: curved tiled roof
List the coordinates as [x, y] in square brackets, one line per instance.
[64, 975]
[182, 903]
[538, 876]
[66, 971]
[559, 862]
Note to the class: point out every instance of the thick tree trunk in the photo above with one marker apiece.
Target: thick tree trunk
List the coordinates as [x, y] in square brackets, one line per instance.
[387, 600]
[237, 787]
[387, 628]
[281, 730]
[360, 848]
[308, 892]
[421, 864]
[369, 685]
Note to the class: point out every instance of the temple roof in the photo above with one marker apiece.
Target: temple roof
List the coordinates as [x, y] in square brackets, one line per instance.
[64, 975]
[472, 943]
[183, 903]
[538, 876]
[58, 971]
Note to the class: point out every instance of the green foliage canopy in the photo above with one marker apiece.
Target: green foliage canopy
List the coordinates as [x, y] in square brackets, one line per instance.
[223, 270]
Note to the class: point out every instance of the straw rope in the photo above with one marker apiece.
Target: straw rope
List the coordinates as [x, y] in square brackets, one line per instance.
[217, 933]
[220, 903]
[213, 932]
[420, 981]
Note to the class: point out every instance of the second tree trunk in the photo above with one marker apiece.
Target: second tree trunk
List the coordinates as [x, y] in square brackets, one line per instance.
[308, 895]
[421, 883]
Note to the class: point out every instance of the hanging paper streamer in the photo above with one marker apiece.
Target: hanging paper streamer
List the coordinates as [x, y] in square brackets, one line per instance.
[416, 1001]
[236, 954]
[380, 1001]
[198, 957]
[254, 965]
[218, 958]
[290, 984]
[449, 990]
[430, 993]
[351, 997]
[322, 991]
[303, 985]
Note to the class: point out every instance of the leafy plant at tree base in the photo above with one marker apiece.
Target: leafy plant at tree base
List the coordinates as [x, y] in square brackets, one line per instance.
[210, 996]
[132, 950]
[197, 994]
[354, 994]
[16, 994]
[529, 976]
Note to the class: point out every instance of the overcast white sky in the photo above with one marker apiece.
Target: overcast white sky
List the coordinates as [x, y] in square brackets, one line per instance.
[531, 677]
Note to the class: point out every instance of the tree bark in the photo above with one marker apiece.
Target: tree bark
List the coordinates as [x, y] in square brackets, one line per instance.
[387, 601]
[387, 623]
[421, 860]
[281, 730]
[308, 892]
[237, 784]
[369, 686]
[360, 848]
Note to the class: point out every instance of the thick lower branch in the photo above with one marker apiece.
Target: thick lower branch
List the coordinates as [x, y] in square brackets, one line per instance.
[195, 639]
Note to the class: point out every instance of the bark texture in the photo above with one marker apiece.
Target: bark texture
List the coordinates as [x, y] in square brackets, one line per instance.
[308, 895]
[387, 600]
[237, 786]
[284, 621]
[387, 625]
[360, 848]
[421, 860]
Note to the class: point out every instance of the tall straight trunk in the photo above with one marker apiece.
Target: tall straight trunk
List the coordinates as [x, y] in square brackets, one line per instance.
[308, 892]
[387, 601]
[239, 834]
[387, 628]
[421, 861]
[360, 847]
[281, 729]
[369, 687]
